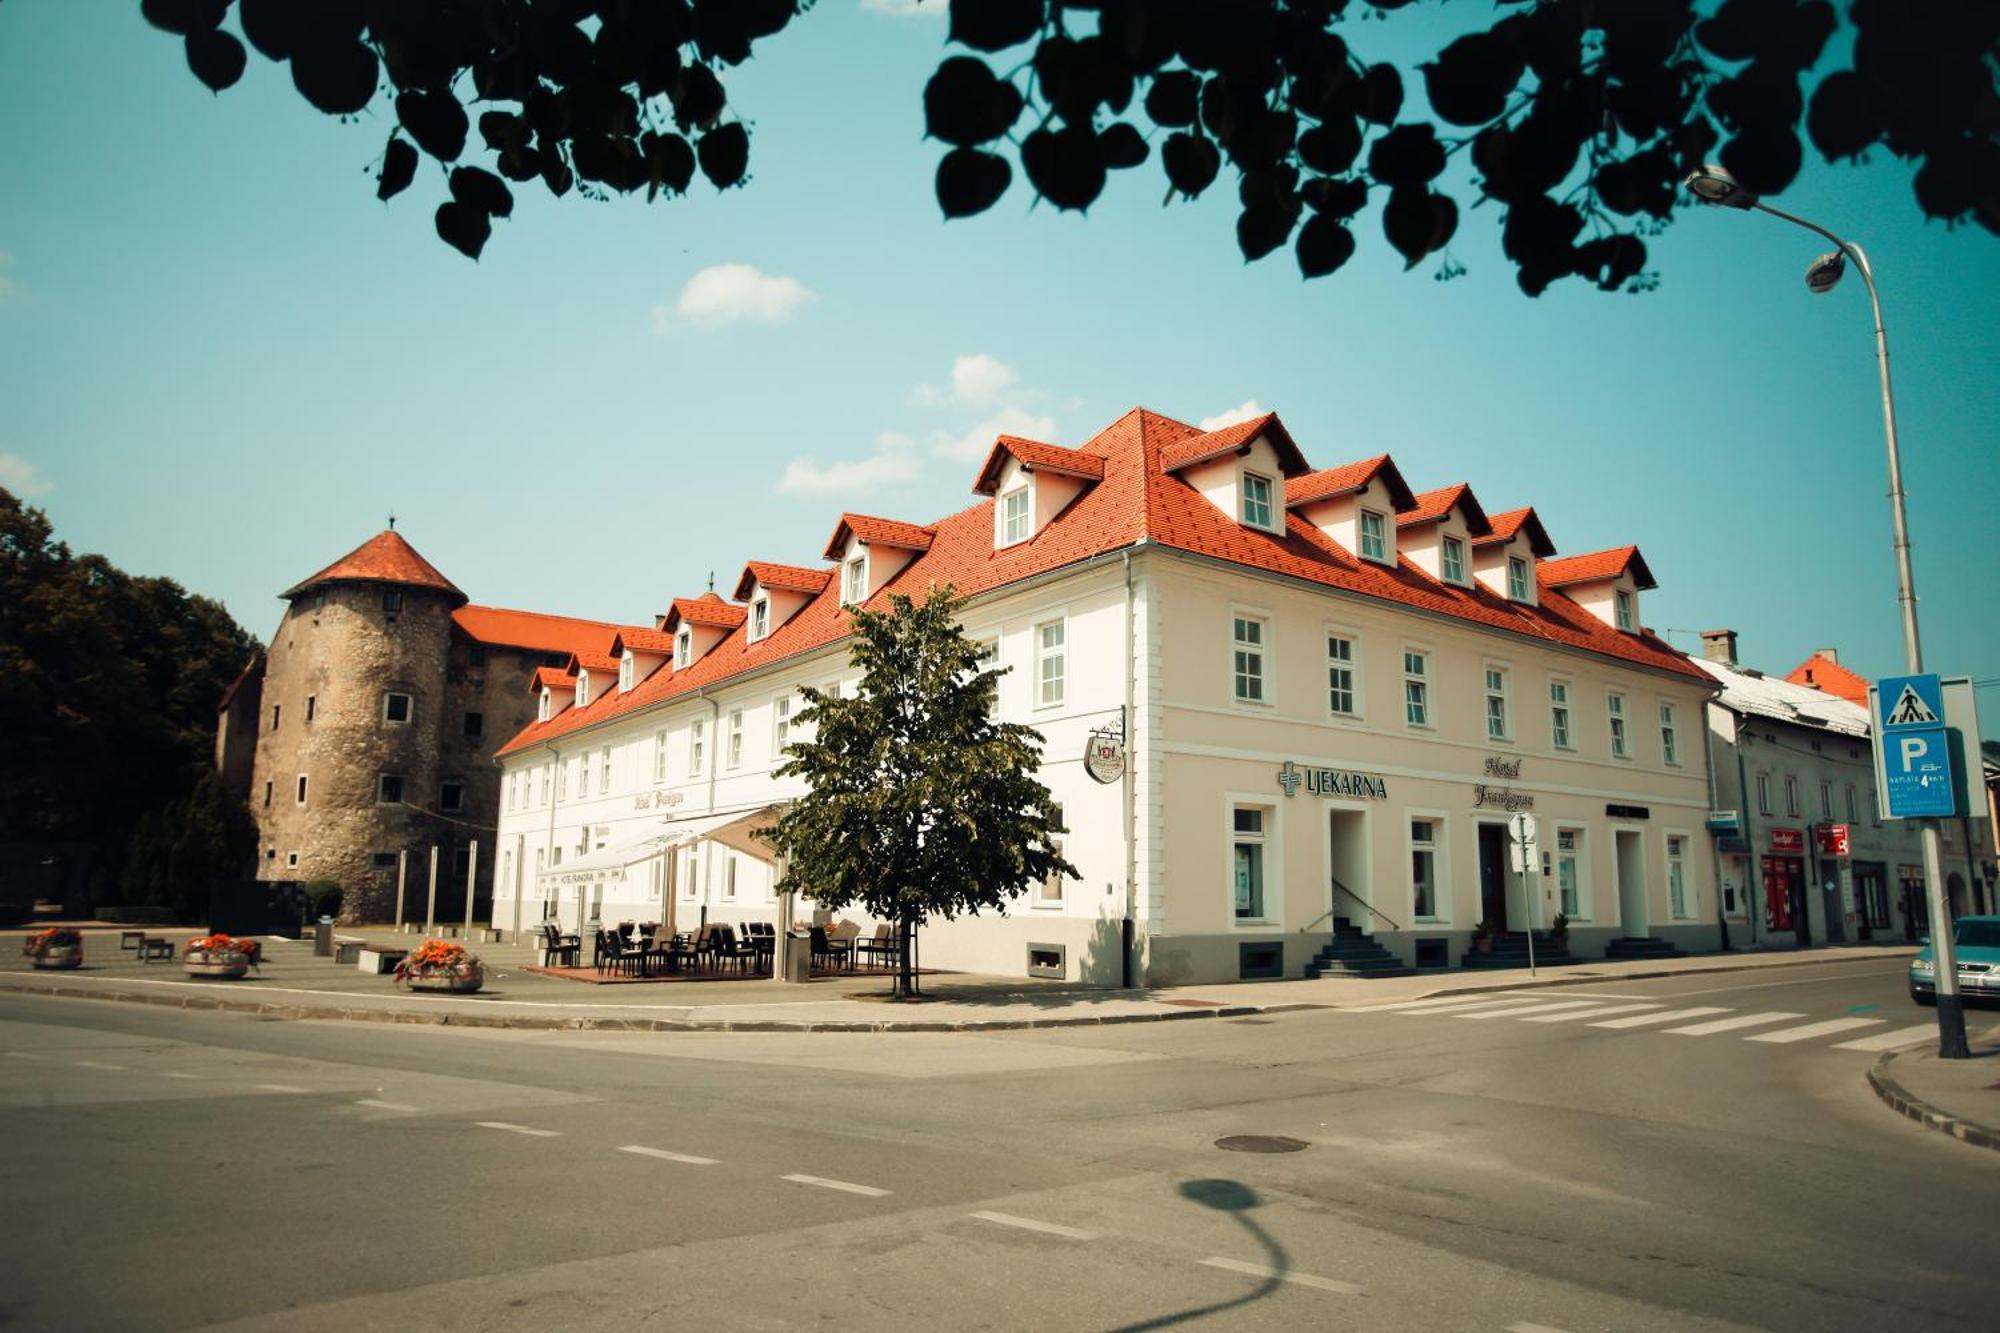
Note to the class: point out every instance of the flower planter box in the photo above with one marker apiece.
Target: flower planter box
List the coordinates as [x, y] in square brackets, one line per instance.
[227, 967]
[59, 959]
[451, 983]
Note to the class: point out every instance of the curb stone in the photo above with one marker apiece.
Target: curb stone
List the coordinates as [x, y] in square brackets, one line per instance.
[1899, 1098]
[299, 1012]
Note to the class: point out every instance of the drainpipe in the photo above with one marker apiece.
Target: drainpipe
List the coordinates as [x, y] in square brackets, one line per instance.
[1126, 927]
[1715, 853]
[549, 843]
[1752, 860]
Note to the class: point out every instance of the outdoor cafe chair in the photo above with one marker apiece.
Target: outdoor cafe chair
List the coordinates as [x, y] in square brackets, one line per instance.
[882, 946]
[837, 953]
[729, 947]
[556, 945]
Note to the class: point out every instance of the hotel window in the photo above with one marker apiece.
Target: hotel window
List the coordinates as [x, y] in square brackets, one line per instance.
[1423, 867]
[1763, 793]
[388, 789]
[1614, 706]
[735, 750]
[697, 742]
[1453, 560]
[781, 724]
[625, 672]
[1791, 795]
[392, 601]
[451, 797]
[1374, 536]
[1049, 893]
[1568, 899]
[302, 789]
[1014, 517]
[1517, 578]
[542, 708]
[582, 776]
[690, 879]
[1247, 673]
[660, 756]
[475, 725]
[1416, 688]
[656, 876]
[267, 795]
[1248, 855]
[854, 580]
[1559, 714]
[1624, 602]
[277, 711]
[683, 649]
[396, 707]
[760, 618]
[1257, 500]
[604, 770]
[1677, 895]
[728, 878]
[1340, 691]
[1670, 751]
[562, 780]
[1049, 664]
[1496, 704]
[1851, 817]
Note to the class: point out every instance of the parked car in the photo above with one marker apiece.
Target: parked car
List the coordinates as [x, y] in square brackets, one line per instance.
[1977, 941]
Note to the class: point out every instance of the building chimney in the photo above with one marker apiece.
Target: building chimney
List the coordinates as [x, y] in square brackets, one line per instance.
[1830, 654]
[1719, 645]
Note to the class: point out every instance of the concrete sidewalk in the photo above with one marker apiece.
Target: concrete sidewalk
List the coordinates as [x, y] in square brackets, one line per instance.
[295, 984]
[1956, 1097]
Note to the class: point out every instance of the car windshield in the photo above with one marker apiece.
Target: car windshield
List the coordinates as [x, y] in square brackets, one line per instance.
[1978, 934]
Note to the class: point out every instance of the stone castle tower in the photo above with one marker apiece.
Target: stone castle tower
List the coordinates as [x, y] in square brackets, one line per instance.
[382, 697]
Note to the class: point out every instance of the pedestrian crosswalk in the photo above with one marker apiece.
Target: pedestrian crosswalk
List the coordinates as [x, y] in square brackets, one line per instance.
[1630, 1013]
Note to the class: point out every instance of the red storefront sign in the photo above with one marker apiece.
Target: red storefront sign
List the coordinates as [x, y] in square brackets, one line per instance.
[1832, 839]
[1788, 840]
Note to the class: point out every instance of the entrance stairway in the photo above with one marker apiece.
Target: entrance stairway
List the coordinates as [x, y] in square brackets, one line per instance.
[1355, 955]
[1510, 949]
[1632, 947]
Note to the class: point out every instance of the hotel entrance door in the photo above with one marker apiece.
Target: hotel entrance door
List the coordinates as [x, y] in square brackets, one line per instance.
[1493, 875]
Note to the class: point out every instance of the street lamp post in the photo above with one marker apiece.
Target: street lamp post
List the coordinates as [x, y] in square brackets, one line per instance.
[1712, 185]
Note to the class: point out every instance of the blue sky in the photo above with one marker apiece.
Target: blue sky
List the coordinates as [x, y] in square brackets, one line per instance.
[221, 359]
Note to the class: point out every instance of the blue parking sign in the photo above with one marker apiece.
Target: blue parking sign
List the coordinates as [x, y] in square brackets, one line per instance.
[1916, 758]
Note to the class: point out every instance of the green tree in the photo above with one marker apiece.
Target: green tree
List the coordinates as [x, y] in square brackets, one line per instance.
[918, 803]
[1579, 117]
[216, 845]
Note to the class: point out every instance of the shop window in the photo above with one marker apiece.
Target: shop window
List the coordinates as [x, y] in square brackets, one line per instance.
[1569, 890]
[1423, 868]
[1248, 857]
[461, 862]
[1677, 890]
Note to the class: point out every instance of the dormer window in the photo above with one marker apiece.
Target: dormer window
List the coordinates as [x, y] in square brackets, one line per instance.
[1374, 535]
[543, 708]
[582, 688]
[1517, 578]
[1016, 517]
[626, 670]
[854, 581]
[1452, 560]
[683, 648]
[760, 618]
[1624, 604]
[1257, 501]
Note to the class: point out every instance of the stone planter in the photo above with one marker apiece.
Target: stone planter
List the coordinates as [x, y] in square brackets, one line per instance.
[447, 982]
[217, 967]
[60, 958]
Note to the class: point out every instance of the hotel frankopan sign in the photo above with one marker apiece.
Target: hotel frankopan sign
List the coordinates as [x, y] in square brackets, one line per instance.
[1503, 798]
[1332, 782]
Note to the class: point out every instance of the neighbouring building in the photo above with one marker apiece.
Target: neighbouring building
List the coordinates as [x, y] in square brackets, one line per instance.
[368, 727]
[1307, 696]
[1805, 854]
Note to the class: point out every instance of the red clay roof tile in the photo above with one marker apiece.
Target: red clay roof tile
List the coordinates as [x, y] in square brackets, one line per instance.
[1036, 457]
[1347, 479]
[780, 578]
[1507, 524]
[707, 610]
[1203, 446]
[1596, 566]
[878, 532]
[383, 558]
[1434, 505]
[529, 629]
[1827, 675]
[641, 640]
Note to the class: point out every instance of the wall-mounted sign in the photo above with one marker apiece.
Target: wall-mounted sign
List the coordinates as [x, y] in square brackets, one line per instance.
[1497, 767]
[1628, 812]
[1104, 754]
[1332, 782]
[1833, 839]
[1724, 821]
[1501, 798]
[648, 800]
[1788, 840]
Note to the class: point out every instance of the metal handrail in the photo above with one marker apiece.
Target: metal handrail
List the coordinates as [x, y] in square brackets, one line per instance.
[1365, 906]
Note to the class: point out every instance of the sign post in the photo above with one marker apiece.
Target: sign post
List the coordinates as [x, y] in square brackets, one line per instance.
[1913, 757]
[1521, 833]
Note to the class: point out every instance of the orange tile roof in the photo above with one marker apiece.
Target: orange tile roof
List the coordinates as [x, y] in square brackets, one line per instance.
[1827, 675]
[642, 640]
[878, 532]
[1203, 446]
[707, 610]
[1036, 457]
[1348, 478]
[530, 629]
[383, 558]
[1434, 505]
[1138, 500]
[780, 578]
[1596, 566]
[593, 662]
[554, 678]
[1507, 524]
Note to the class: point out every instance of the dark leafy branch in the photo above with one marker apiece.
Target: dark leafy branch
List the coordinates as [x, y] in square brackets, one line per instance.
[1581, 116]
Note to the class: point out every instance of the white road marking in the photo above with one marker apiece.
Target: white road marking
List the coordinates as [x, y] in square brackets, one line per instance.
[1535, 1328]
[1030, 1224]
[1731, 1024]
[666, 1156]
[519, 1129]
[1303, 1279]
[848, 1186]
[278, 1087]
[98, 1064]
[1670, 1016]
[1590, 1005]
[176, 1074]
[27, 1055]
[1819, 980]
[386, 1106]
[1812, 1030]
[1889, 1041]
[1438, 1004]
[1590, 1013]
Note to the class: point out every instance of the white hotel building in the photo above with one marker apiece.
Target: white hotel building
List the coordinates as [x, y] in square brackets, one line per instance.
[1332, 692]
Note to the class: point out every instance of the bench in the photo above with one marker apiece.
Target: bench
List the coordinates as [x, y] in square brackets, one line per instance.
[129, 940]
[155, 946]
[379, 962]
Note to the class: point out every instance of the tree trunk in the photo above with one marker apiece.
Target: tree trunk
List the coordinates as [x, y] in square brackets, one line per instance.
[903, 974]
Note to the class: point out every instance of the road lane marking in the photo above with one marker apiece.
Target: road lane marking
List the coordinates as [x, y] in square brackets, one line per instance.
[1030, 1224]
[98, 1064]
[1535, 1328]
[278, 1087]
[1670, 1016]
[176, 1074]
[848, 1186]
[1731, 1024]
[665, 1156]
[386, 1106]
[1889, 1041]
[27, 1055]
[1282, 1275]
[1797, 981]
[519, 1129]
[1591, 1005]
[1591, 1013]
[1811, 1030]
[1438, 1004]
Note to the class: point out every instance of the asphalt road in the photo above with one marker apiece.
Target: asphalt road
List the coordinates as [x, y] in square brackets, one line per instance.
[1491, 1163]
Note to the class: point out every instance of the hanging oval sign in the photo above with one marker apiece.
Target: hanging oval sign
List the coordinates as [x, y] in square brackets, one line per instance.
[1104, 756]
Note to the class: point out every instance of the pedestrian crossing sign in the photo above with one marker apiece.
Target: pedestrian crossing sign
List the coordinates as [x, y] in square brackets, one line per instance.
[1913, 747]
[1910, 708]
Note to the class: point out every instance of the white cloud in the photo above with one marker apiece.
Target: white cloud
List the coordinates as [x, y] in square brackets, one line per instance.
[905, 8]
[894, 462]
[20, 476]
[978, 380]
[972, 444]
[734, 294]
[1241, 412]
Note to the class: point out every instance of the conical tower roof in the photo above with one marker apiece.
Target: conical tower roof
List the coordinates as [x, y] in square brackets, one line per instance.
[383, 558]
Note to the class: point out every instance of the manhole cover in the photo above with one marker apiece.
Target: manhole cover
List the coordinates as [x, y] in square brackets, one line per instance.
[1261, 1143]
